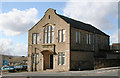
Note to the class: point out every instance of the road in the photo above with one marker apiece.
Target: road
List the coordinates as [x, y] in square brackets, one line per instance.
[110, 72]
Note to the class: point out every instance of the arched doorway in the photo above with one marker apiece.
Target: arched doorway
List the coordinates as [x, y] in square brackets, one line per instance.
[48, 59]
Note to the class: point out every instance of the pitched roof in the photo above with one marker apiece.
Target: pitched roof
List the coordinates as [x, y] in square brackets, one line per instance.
[81, 25]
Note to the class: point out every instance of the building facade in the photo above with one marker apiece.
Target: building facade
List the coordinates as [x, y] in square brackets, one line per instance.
[60, 43]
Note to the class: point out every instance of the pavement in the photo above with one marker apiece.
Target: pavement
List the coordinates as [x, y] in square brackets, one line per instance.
[111, 71]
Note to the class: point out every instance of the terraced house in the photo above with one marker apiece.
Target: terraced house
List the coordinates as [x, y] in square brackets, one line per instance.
[60, 43]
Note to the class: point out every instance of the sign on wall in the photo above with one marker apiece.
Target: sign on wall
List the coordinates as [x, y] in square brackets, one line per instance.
[5, 62]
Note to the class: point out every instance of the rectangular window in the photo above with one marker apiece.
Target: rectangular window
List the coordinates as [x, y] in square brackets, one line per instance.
[76, 37]
[89, 38]
[61, 58]
[86, 38]
[61, 35]
[35, 38]
[79, 37]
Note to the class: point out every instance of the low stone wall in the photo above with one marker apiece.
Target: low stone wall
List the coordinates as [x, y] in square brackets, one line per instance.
[81, 60]
[102, 63]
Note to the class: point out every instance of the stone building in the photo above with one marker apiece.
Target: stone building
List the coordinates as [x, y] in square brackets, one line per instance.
[60, 43]
[115, 46]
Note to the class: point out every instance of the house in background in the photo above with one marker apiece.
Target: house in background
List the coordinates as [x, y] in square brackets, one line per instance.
[12, 60]
[114, 52]
[60, 43]
[22, 60]
[115, 46]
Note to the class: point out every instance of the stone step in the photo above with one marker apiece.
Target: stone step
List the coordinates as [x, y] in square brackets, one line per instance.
[49, 70]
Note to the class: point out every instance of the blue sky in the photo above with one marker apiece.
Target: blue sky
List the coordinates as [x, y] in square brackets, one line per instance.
[40, 6]
[13, 30]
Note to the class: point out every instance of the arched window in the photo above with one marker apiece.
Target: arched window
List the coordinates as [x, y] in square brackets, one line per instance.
[49, 34]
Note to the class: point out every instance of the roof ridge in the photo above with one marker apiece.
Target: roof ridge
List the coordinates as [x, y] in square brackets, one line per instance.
[93, 28]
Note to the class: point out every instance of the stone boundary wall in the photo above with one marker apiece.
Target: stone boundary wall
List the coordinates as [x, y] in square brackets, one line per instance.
[102, 63]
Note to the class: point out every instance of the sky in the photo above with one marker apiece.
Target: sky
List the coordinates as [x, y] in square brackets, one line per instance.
[16, 18]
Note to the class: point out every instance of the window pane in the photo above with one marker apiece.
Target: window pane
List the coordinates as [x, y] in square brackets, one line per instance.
[45, 35]
[37, 58]
[76, 37]
[63, 35]
[38, 38]
[32, 57]
[60, 32]
[48, 37]
[52, 38]
[34, 39]
[59, 58]
[45, 38]
[87, 38]
[79, 36]
[49, 27]
[63, 59]
[45, 30]
[52, 28]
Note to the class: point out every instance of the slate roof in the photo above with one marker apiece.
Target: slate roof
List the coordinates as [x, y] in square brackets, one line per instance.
[81, 25]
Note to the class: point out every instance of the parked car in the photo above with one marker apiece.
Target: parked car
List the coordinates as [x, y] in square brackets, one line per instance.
[7, 68]
[20, 67]
[25, 67]
[14, 68]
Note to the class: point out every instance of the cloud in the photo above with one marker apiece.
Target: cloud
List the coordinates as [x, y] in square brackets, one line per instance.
[5, 46]
[115, 38]
[20, 49]
[95, 13]
[16, 21]
[8, 47]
